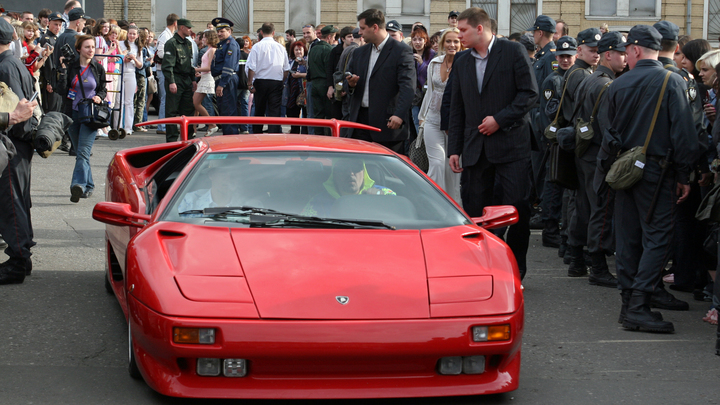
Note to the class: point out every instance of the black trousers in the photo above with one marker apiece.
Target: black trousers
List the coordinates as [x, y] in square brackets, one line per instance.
[178, 104]
[267, 100]
[15, 224]
[591, 222]
[643, 248]
[294, 112]
[477, 188]
[363, 135]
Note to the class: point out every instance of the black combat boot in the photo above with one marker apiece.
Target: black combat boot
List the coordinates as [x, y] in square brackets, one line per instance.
[12, 271]
[639, 317]
[563, 247]
[577, 262]
[625, 295]
[664, 300]
[599, 272]
[551, 234]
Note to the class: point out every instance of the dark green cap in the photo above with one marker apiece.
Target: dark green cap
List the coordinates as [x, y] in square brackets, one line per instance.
[184, 22]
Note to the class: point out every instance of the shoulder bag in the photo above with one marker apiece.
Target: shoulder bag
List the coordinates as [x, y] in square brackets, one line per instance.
[551, 130]
[418, 153]
[628, 168]
[584, 131]
[93, 115]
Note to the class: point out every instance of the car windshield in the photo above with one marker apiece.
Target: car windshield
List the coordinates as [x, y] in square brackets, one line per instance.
[310, 189]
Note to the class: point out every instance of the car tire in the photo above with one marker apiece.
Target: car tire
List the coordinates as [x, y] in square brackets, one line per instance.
[133, 369]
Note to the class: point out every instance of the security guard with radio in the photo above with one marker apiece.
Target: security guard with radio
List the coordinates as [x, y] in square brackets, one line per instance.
[688, 257]
[550, 94]
[179, 78]
[224, 69]
[593, 209]
[646, 106]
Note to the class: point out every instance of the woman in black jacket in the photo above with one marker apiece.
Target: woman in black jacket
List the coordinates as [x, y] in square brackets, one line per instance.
[92, 81]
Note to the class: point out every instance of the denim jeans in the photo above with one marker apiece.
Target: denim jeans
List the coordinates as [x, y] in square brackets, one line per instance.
[161, 94]
[82, 138]
[243, 100]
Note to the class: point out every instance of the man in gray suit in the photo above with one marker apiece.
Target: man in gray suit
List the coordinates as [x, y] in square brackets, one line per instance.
[488, 126]
[382, 84]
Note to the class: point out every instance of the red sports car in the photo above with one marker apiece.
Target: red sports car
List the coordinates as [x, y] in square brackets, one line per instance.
[300, 266]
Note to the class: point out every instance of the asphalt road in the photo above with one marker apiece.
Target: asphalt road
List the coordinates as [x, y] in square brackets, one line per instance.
[63, 338]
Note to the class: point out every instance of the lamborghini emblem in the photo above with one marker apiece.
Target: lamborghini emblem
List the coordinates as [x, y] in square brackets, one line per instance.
[342, 299]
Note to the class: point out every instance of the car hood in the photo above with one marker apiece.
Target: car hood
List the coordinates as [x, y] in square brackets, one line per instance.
[334, 274]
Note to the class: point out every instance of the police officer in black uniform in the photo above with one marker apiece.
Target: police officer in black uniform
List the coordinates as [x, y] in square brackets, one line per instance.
[550, 94]
[542, 30]
[48, 72]
[15, 224]
[643, 246]
[593, 213]
[587, 59]
[689, 254]
[224, 68]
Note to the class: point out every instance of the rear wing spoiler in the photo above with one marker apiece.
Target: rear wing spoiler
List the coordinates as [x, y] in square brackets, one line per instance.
[184, 122]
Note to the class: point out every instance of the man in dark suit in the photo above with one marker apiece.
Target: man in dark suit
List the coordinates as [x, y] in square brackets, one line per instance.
[382, 84]
[488, 125]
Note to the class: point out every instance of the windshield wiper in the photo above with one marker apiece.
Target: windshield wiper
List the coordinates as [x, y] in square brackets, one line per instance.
[298, 220]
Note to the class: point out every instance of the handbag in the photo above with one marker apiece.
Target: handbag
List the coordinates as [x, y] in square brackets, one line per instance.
[152, 84]
[418, 153]
[302, 97]
[584, 132]
[559, 121]
[628, 168]
[93, 115]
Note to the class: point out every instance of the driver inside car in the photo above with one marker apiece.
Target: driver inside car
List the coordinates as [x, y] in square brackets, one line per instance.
[348, 177]
[225, 190]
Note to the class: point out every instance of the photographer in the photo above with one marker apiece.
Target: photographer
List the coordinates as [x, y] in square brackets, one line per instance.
[81, 78]
[15, 225]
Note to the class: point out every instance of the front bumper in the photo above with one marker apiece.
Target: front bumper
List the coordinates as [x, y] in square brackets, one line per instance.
[325, 359]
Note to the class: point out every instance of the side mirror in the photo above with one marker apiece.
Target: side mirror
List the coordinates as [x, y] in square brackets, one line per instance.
[119, 214]
[497, 216]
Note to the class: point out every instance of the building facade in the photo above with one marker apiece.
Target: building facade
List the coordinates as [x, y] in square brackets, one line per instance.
[698, 18]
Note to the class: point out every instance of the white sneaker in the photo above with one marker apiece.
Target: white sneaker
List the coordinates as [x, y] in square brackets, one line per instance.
[212, 130]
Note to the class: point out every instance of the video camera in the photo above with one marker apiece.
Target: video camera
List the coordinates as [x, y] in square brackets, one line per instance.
[68, 53]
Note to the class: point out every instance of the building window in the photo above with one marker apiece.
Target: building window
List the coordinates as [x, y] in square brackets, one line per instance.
[413, 7]
[377, 4]
[299, 13]
[237, 11]
[623, 9]
[713, 20]
[522, 14]
[490, 7]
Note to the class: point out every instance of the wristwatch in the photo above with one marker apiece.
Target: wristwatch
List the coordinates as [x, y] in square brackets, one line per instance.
[251, 87]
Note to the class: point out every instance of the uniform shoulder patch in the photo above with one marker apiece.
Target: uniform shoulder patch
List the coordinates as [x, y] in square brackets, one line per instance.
[555, 65]
[548, 94]
[692, 93]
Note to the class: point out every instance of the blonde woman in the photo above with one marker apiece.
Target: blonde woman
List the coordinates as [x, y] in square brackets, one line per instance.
[429, 116]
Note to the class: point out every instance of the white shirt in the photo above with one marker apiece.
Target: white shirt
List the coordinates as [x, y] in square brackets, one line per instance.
[167, 34]
[374, 54]
[268, 59]
[128, 67]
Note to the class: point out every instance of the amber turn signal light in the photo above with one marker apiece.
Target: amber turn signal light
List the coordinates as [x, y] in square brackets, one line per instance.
[202, 336]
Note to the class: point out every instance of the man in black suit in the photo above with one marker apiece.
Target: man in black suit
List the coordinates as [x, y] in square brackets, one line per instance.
[488, 125]
[382, 84]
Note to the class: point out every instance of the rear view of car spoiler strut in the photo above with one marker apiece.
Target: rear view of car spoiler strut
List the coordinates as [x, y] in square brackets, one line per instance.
[184, 122]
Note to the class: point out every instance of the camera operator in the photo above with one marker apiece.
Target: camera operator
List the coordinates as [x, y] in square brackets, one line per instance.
[15, 225]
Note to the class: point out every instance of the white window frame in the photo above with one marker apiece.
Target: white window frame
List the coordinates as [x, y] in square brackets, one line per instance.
[503, 15]
[623, 11]
[250, 15]
[318, 12]
[393, 11]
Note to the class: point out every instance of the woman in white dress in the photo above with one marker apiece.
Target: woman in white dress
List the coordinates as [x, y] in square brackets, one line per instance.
[131, 61]
[206, 85]
[429, 116]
